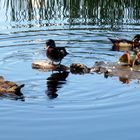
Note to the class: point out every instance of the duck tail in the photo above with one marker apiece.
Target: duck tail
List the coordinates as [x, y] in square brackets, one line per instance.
[112, 40]
[67, 53]
[63, 51]
[18, 90]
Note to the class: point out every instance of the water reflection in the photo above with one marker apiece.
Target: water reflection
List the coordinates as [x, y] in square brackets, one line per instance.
[124, 80]
[109, 12]
[125, 77]
[55, 82]
[18, 96]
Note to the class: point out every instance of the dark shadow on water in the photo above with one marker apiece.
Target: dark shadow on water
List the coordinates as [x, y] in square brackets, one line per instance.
[123, 80]
[19, 97]
[55, 82]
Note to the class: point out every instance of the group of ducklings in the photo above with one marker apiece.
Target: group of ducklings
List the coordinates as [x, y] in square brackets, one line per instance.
[56, 54]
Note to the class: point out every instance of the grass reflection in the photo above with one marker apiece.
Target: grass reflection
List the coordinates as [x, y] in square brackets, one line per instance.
[75, 11]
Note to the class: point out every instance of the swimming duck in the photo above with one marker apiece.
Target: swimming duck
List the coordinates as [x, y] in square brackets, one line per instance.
[124, 44]
[55, 54]
[8, 87]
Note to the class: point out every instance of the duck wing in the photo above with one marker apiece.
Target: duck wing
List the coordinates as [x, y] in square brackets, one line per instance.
[62, 51]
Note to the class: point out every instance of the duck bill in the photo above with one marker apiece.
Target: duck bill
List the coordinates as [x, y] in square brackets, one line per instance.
[46, 47]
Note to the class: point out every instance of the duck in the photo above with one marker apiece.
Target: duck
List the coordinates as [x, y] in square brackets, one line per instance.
[55, 54]
[9, 87]
[77, 68]
[124, 44]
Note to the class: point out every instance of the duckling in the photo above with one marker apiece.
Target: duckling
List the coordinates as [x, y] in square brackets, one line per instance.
[77, 68]
[125, 44]
[55, 54]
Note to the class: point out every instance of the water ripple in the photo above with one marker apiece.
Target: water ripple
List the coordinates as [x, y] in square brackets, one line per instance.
[56, 103]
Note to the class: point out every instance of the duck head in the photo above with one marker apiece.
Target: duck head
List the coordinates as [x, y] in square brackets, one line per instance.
[50, 43]
[136, 41]
[137, 38]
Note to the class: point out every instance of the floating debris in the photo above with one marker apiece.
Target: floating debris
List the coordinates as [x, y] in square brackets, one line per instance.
[45, 65]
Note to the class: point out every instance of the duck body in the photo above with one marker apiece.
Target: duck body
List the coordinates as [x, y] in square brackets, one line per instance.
[8, 87]
[55, 54]
[124, 44]
[121, 44]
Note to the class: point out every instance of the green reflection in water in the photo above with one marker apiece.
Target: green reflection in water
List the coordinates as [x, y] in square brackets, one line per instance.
[99, 12]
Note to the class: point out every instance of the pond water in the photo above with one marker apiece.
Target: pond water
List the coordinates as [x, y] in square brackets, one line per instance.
[64, 105]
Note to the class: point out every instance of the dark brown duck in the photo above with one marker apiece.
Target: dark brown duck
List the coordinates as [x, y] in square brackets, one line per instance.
[55, 54]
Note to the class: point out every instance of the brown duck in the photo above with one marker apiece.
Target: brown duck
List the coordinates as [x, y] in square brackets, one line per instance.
[8, 87]
[55, 54]
[118, 44]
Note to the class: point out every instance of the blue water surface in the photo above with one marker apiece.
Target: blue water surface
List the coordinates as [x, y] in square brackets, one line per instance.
[83, 107]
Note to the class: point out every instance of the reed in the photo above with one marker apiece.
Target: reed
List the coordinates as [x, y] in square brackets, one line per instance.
[97, 11]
